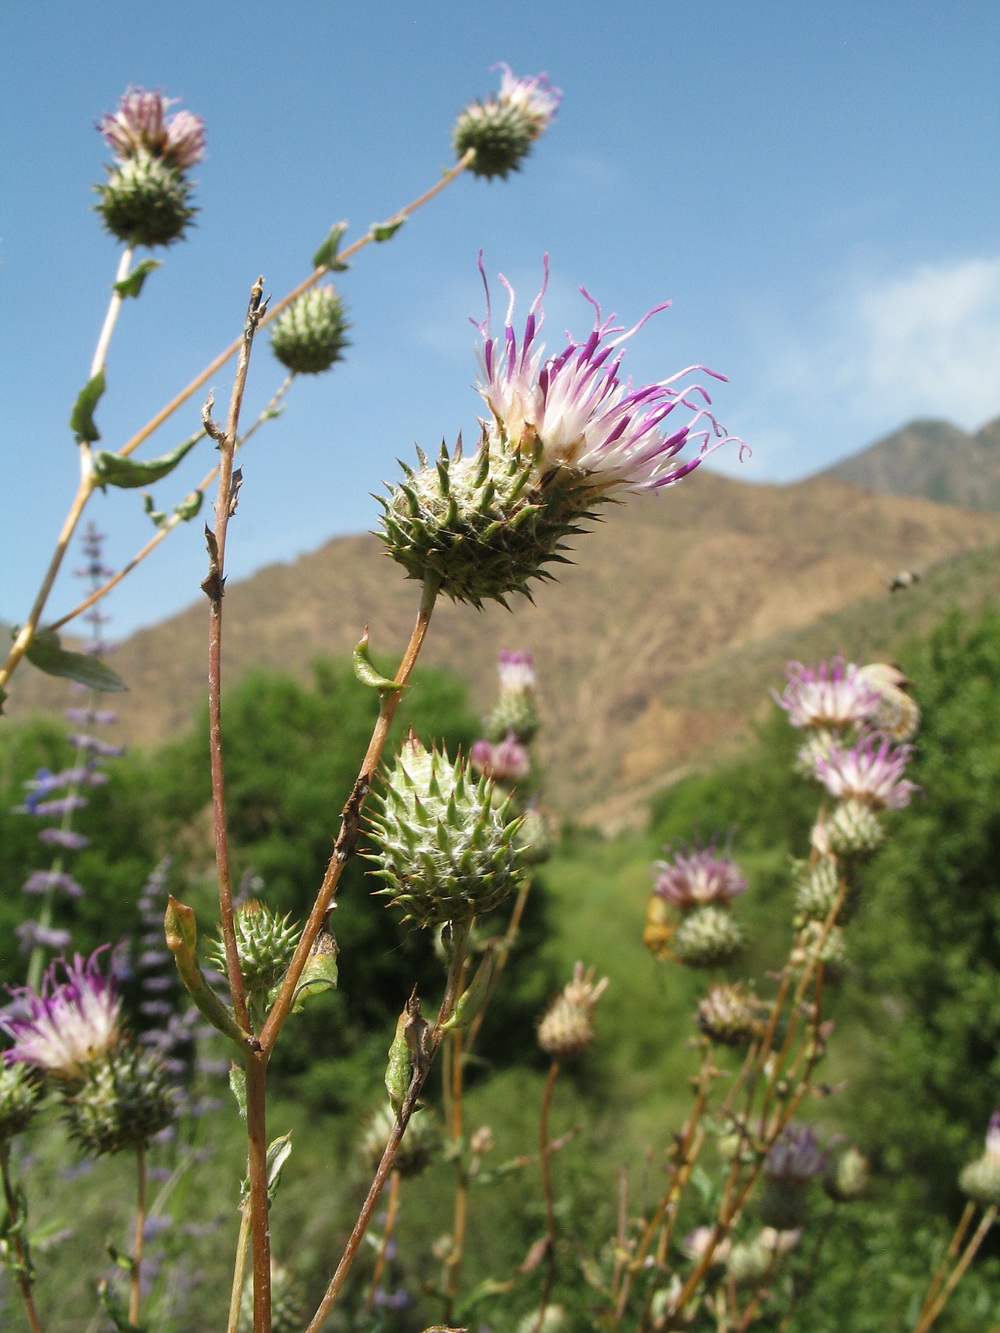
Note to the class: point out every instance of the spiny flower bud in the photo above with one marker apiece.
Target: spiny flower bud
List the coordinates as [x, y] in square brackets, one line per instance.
[421, 1141]
[749, 1262]
[481, 526]
[793, 1160]
[832, 953]
[816, 890]
[537, 836]
[444, 851]
[265, 943]
[515, 710]
[310, 336]
[124, 1099]
[567, 1028]
[730, 1015]
[503, 128]
[707, 937]
[553, 1320]
[854, 829]
[980, 1180]
[846, 1176]
[19, 1094]
[145, 201]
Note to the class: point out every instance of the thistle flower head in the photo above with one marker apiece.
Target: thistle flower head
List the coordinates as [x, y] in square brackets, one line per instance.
[311, 335]
[445, 852]
[980, 1180]
[421, 1142]
[507, 762]
[697, 876]
[19, 1094]
[707, 937]
[122, 1101]
[516, 671]
[566, 1028]
[730, 1015]
[795, 1155]
[503, 128]
[66, 1024]
[833, 695]
[871, 772]
[141, 125]
[573, 413]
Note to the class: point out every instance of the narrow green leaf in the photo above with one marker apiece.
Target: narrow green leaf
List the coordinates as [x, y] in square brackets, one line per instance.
[47, 654]
[319, 973]
[81, 421]
[130, 473]
[190, 506]
[326, 255]
[132, 285]
[382, 231]
[182, 938]
[157, 515]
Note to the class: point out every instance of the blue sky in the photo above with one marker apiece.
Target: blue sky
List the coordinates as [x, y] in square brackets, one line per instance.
[815, 187]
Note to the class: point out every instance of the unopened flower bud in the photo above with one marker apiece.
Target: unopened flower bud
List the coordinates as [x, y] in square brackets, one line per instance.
[730, 1015]
[145, 201]
[537, 835]
[419, 1145]
[310, 336]
[707, 937]
[792, 1161]
[749, 1262]
[567, 1028]
[444, 851]
[553, 1319]
[832, 953]
[846, 1176]
[19, 1094]
[265, 943]
[287, 1302]
[482, 1141]
[816, 890]
[854, 829]
[124, 1099]
[980, 1180]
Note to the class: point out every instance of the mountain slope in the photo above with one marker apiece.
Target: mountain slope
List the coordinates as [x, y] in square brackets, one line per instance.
[666, 592]
[931, 459]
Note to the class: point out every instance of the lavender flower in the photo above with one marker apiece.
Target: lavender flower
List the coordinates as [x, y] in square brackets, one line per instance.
[699, 876]
[870, 772]
[833, 695]
[65, 1024]
[141, 125]
[573, 413]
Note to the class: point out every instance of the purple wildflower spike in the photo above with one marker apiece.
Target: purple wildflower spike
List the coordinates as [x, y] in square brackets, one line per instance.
[66, 1023]
[871, 772]
[699, 876]
[575, 412]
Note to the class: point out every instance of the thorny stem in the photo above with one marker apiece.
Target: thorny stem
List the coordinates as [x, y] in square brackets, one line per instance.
[175, 518]
[239, 1271]
[550, 1212]
[155, 422]
[392, 1210]
[14, 1224]
[421, 1069]
[135, 1282]
[213, 586]
[27, 632]
[350, 820]
[930, 1312]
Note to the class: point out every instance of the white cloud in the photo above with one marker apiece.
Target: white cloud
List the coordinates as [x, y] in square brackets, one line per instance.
[929, 344]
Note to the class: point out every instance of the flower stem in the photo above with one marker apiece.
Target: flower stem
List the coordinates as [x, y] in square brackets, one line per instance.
[135, 1282]
[111, 318]
[239, 1271]
[14, 1223]
[392, 1211]
[545, 1162]
[930, 1312]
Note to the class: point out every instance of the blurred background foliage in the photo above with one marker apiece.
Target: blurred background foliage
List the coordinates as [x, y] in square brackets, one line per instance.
[913, 1066]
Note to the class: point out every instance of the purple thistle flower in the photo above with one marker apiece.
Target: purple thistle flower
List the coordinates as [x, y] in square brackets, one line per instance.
[699, 876]
[795, 1156]
[834, 694]
[508, 762]
[575, 413]
[517, 672]
[532, 94]
[141, 125]
[871, 771]
[66, 1023]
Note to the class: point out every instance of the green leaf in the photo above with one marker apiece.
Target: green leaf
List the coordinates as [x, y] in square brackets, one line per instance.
[238, 1087]
[189, 506]
[278, 1151]
[181, 933]
[47, 654]
[382, 231]
[81, 421]
[157, 515]
[326, 255]
[365, 670]
[114, 1309]
[319, 973]
[129, 473]
[132, 285]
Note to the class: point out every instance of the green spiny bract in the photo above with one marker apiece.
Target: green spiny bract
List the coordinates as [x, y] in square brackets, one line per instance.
[444, 851]
[516, 712]
[481, 527]
[501, 134]
[145, 201]
[125, 1098]
[19, 1093]
[707, 937]
[310, 335]
[265, 943]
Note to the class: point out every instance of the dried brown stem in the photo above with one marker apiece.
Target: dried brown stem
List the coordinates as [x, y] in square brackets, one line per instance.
[22, 1267]
[392, 1210]
[930, 1312]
